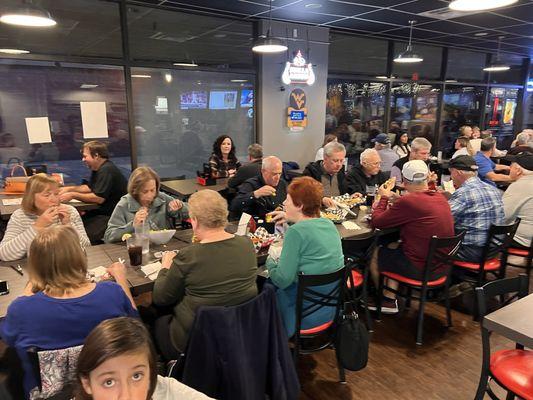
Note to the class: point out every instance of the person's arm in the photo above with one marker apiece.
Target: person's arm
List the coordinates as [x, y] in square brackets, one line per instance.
[121, 222]
[457, 206]
[77, 223]
[10, 326]
[169, 287]
[244, 199]
[77, 189]
[396, 215]
[118, 271]
[85, 197]
[215, 172]
[353, 185]
[501, 167]
[235, 181]
[284, 273]
[396, 173]
[493, 176]
[19, 234]
[512, 203]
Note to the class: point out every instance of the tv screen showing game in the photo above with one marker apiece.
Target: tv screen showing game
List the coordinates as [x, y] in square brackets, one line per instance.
[247, 98]
[193, 100]
[223, 100]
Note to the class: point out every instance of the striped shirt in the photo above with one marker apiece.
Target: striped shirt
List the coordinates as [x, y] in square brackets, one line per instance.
[20, 233]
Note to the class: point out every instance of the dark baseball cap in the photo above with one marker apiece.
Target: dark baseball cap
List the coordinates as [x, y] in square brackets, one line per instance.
[464, 163]
[382, 138]
[524, 159]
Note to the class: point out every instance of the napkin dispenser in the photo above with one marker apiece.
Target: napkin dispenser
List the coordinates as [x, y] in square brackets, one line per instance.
[204, 178]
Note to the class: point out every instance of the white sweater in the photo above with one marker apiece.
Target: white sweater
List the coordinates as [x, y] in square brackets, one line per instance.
[170, 389]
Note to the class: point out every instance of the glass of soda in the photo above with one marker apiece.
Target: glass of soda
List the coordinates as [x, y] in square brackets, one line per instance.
[135, 250]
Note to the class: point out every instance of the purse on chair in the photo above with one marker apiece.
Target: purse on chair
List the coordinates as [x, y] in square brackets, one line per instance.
[351, 342]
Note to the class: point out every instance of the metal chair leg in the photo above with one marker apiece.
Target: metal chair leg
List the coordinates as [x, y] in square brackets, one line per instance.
[482, 386]
[379, 296]
[447, 304]
[420, 322]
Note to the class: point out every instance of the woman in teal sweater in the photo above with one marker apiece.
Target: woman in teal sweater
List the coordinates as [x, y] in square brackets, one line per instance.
[312, 245]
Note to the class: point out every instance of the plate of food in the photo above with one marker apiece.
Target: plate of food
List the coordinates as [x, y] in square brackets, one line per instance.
[335, 215]
[348, 200]
[261, 238]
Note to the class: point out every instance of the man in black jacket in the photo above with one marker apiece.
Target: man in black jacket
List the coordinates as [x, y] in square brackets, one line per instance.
[250, 170]
[368, 174]
[262, 194]
[330, 172]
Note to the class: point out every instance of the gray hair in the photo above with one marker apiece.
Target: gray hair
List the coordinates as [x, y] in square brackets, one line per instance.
[333, 147]
[522, 138]
[269, 163]
[366, 155]
[255, 150]
[487, 144]
[420, 143]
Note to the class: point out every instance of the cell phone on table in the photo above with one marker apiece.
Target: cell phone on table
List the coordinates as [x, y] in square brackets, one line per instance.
[4, 288]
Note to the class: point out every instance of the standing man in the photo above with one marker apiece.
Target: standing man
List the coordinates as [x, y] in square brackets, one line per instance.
[487, 167]
[361, 178]
[105, 188]
[387, 155]
[250, 170]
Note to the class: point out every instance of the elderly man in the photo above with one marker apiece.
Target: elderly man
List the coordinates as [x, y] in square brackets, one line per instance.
[518, 198]
[475, 206]
[522, 144]
[330, 172]
[250, 170]
[362, 178]
[264, 193]
[487, 167]
[420, 150]
[387, 155]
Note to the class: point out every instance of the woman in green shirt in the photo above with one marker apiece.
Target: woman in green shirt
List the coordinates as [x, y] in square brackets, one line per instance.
[312, 245]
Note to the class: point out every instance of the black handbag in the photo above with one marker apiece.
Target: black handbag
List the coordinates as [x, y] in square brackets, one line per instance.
[351, 342]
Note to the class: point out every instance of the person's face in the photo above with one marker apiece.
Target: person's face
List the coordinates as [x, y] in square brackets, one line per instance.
[421, 154]
[457, 145]
[225, 146]
[126, 377]
[49, 197]
[90, 161]
[147, 193]
[292, 212]
[273, 175]
[333, 164]
[468, 132]
[372, 164]
[476, 133]
[404, 139]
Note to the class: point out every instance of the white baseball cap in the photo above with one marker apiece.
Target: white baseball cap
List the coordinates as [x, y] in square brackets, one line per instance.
[415, 171]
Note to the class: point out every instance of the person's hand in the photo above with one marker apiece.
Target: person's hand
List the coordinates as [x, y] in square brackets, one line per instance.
[64, 189]
[166, 260]
[47, 218]
[279, 217]
[118, 271]
[328, 202]
[385, 191]
[140, 216]
[266, 190]
[64, 214]
[175, 205]
[432, 177]
[356, 195]
[231, 172]
[65, 197]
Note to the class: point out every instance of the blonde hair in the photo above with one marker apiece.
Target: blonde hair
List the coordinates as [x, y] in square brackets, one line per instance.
[56, 262]
[209, 208]
[36, 184]
[139, 177]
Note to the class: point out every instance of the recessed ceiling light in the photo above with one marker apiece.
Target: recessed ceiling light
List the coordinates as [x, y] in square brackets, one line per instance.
[185, 64]
[168, 77]
[313, 5]
[141, 76]
[382, 77]
[239, 80]
[478, 5]
[450, 81]
[481, 34]
[497, 68]
[14, 51]
[28, 15]
[88, 86]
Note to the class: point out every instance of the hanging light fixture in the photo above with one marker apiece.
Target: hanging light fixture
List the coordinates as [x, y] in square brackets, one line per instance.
[479, 5]
[269, 44]
[498, 65]
[28, 15]
[409, 56]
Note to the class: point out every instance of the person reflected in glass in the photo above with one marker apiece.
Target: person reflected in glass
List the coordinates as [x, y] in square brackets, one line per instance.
[223, 161]
[401, 144]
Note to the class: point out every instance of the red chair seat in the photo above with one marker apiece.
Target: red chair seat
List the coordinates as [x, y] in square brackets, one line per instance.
[316, 329]
[518, 252]
[357, 279]
[514, 370]
[490, 265]
[414, 282]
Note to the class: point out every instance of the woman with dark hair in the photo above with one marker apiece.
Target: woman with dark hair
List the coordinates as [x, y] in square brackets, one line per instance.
[223, 161]
[401, 144]
[118, 360]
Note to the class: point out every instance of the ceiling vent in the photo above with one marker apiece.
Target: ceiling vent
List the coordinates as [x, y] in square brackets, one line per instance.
[446, 13]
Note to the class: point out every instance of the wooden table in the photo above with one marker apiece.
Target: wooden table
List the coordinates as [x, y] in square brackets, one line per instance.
[186, 187]
[514, 321]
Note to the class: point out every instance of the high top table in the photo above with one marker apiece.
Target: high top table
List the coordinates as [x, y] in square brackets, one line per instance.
[186, 187]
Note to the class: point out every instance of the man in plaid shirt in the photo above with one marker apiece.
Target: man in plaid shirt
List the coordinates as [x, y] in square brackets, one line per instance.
[475, 206]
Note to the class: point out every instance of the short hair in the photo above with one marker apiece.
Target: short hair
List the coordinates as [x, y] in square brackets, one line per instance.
[110, 339]
[333, 147]
[463, 128]
[329, 138]
[96, 148]
[56, 261]
[463, 141]
[139, 177]
[522, 138]
[420, 143]
[367, 153]
[268, 162]
[36, 184]
[487, 144]
[209, 208]
[308, 193]
[255, 150]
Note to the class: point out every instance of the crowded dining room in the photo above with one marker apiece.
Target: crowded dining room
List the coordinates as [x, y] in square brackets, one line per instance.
[266, 199]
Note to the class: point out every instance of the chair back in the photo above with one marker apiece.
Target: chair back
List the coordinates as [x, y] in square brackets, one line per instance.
[499, 239]
[440, 254]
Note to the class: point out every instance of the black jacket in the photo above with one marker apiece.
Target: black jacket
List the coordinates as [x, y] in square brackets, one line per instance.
[244, 173]
[241, 352]
[314, 170]
[357, 181]
[246, 202]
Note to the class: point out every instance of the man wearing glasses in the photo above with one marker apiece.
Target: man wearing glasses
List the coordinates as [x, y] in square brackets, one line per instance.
[363, 178]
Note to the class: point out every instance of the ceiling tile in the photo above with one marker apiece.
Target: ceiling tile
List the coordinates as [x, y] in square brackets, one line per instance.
[522, 12]
[420, 6]
[486, 20]
[447, 27]
[360, 24]
[395, 17]
[523, 30]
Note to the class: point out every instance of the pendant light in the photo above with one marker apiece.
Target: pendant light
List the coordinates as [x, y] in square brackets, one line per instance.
[409, 56]
[269, 44]
[28, 15]
[498, 65]
[479, 5]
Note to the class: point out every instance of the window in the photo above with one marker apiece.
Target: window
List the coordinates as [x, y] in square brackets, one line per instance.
[430, 68]
[465, 66]
[512, 76]
[357, 55]
[179, 114]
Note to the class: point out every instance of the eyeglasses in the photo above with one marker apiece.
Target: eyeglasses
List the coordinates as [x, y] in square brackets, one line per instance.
[373, 164]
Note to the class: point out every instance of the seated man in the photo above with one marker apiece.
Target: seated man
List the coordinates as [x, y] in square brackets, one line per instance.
[475, 206]
[362, 177]
[387, 155]
[487, 167]
[522, 144]
[330, 172]
[250, 170]
[518, 198]
[420, 150]
[264, 193]
[419, 214]
[105, 188]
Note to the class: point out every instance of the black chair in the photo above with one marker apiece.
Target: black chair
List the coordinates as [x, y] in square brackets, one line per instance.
[439, 258]
[527, 254]
[314, 300]
[512, 369]
[498, 241]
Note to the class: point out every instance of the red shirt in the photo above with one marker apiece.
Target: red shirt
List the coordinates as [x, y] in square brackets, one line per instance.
[419, 215]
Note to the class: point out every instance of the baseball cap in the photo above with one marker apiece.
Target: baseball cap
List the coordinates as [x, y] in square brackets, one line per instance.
[382, 138]
[524, 159]
[415, 171]
[464, 163]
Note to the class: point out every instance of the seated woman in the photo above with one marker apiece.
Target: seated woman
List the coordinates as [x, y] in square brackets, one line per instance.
[60, 306]
[219, 270]
[401, 144]
[119, 359]
[223, 161]
[312, 245]
[144, 203]
[40, 209]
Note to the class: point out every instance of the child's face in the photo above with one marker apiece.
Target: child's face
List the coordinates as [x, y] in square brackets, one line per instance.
[126, 377]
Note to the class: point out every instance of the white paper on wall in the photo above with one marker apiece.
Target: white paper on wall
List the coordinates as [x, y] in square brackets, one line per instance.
[38, 130]
[94, 119]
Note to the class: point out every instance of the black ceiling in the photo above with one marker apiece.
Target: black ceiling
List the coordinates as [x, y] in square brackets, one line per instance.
[388, 19]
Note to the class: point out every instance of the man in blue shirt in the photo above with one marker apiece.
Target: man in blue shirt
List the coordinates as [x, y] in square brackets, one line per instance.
[487, 167]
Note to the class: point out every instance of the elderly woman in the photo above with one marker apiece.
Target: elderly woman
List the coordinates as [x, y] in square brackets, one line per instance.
[311, 245]
[144, 204]
[218, 270]
[40, 209]
[223, 161]
[60, 306]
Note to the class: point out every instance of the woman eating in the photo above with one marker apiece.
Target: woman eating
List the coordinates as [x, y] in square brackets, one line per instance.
[223, 161]
[144, 204]
[40, 209]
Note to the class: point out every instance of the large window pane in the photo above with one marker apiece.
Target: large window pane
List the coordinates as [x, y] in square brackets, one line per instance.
[42, 89]
[513, 75]
[179, 114]
[430, 68]
[500, 114]
[357, 55]
[465, 65]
